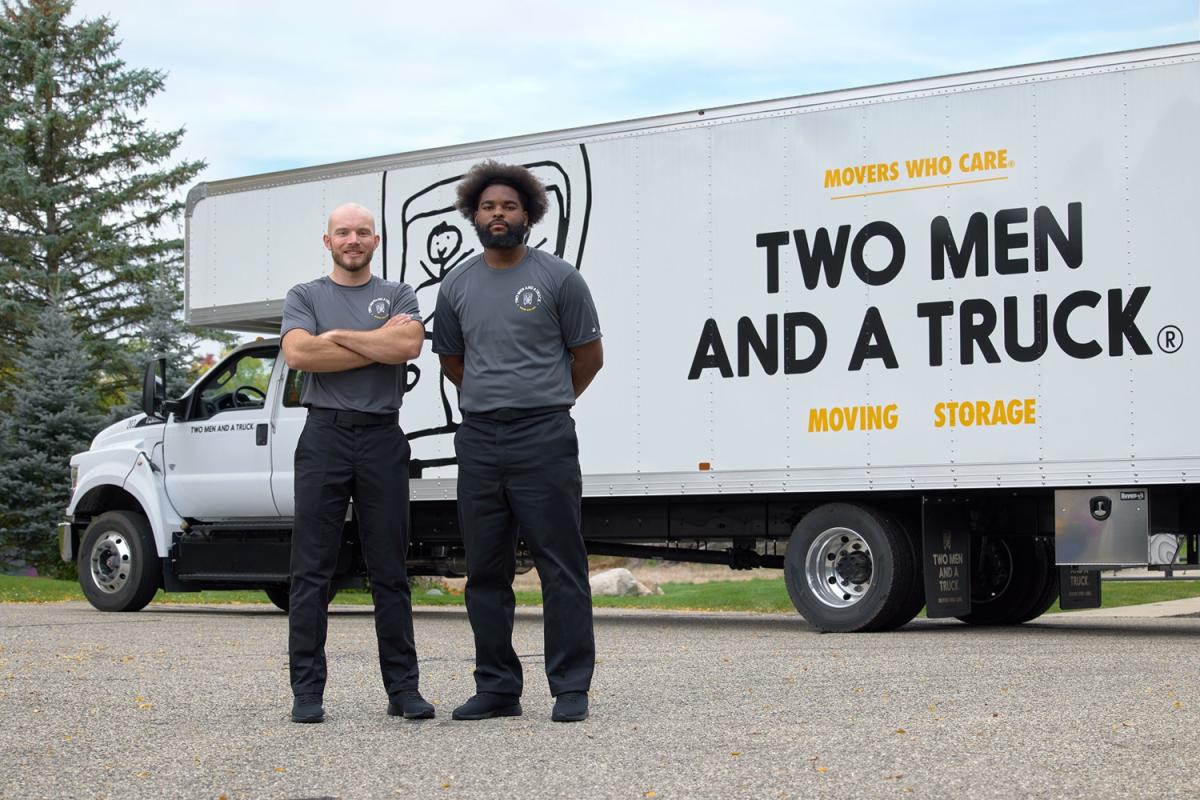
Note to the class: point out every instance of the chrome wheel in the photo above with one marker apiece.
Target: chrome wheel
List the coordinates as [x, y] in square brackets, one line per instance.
[852, 568]
[839, 567]
[111, 559]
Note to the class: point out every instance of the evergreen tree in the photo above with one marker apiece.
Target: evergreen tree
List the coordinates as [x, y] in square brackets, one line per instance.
[85, 183]
[53, 414]
[160, 334]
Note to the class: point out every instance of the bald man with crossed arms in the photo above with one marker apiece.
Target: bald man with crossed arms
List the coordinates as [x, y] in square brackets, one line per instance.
[351, 333]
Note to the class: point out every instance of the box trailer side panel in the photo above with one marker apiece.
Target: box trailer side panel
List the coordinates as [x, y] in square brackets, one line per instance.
[953, 285]
[245, 250]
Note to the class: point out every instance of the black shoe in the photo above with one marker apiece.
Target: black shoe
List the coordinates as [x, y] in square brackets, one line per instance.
[486, 705]
[410, 705]
[307, 708]
[570, 707]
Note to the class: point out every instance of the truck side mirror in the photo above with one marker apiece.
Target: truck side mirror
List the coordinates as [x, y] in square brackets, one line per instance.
[154, 388]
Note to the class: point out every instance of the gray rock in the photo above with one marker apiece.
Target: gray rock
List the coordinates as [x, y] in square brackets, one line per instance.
[619, 582]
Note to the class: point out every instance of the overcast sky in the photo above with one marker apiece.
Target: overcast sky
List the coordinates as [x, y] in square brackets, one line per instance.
[269, 85]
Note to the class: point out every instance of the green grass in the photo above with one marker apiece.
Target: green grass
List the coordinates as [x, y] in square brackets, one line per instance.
[762, 595]
[755, 595]
[15, 589]
[1114, 594]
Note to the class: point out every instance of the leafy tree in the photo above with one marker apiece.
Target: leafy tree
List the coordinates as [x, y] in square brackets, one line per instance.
[86, 186]
[53, 414]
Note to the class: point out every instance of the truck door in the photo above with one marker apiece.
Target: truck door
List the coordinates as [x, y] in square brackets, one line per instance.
[216, 450]
[285, 432]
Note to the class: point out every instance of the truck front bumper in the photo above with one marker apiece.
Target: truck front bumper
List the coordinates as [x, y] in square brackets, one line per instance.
[65, 542]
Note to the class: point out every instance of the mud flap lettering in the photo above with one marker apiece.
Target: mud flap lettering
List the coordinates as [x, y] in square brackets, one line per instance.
[1078, 588]
[947, 557]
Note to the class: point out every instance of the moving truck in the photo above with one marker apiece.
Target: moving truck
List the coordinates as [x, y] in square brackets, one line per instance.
[924, 344]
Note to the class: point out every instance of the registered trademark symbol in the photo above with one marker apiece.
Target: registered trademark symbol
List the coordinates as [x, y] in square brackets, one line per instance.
[1170, 339]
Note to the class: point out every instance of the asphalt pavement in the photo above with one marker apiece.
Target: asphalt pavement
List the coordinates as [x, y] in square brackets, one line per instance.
[192, 702]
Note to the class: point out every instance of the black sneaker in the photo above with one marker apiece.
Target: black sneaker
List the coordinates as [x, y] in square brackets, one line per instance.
[307, 708]
[410, 705]
[570, 707]
[486, 705]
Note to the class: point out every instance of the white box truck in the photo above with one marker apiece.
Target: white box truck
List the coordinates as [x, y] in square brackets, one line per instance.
[920, 344]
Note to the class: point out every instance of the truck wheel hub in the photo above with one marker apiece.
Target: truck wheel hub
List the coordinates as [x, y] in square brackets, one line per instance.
[854, 568]
[110, 562]
[839, 567]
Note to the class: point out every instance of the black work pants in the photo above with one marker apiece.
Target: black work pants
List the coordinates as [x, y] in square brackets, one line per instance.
[522, 479]
[334, 463]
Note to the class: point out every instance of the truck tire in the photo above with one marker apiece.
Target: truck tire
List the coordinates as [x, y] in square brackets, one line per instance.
[1049, 591]
[118, 565]
[850, 568]
[915, 599]
[1008, 579]
[280, 596]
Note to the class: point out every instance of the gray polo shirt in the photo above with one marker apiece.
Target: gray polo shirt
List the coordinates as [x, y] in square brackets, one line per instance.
[513, 328]
[322, 305]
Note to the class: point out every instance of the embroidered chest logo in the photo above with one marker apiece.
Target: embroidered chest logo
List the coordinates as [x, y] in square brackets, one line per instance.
[379, 307]
[528, 298]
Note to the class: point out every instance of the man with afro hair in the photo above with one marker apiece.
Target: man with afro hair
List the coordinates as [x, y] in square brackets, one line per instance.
[517, 332]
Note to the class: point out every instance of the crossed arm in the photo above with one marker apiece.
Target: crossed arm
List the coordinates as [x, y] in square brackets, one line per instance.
[396, 341]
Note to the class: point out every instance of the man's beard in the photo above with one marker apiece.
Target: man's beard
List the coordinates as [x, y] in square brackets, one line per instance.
[513, 236]
[340, 261]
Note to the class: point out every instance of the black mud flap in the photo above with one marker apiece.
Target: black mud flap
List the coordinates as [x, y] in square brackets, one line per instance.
[947, 560]
[1078, 588]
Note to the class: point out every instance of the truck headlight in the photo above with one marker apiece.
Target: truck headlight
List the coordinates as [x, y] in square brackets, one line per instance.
[74, 478]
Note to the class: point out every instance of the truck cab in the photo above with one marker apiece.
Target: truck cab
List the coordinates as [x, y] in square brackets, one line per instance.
[195, 493]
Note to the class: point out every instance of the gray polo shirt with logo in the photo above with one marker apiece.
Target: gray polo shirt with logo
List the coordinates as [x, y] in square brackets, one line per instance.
[513, 328]
[322, 305]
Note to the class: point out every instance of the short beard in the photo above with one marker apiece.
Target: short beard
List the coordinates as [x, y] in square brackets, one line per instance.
[351, 267]
[514, 236]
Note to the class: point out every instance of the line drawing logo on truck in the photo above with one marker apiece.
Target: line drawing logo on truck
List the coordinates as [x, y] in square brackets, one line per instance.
[435, 239]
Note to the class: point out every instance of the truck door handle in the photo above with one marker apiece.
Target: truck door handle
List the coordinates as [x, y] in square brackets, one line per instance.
[260, 434]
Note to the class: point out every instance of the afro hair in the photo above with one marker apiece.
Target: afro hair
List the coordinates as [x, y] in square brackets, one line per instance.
[489, 173]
